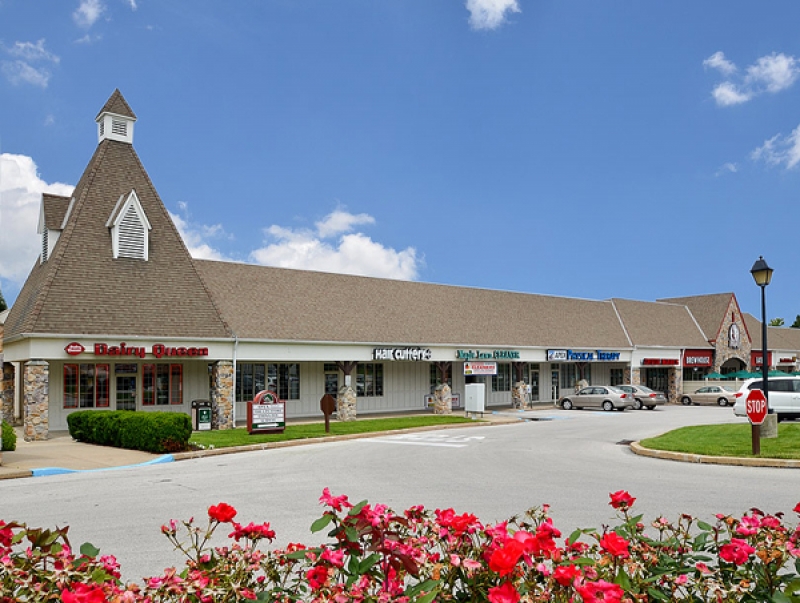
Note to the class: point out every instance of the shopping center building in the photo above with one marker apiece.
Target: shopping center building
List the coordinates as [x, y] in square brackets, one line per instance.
[116, 314]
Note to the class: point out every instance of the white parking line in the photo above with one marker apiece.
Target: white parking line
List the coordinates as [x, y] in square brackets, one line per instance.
[444, 441]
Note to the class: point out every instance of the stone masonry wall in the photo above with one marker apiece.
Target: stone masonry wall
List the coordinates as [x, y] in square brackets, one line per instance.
[7, 393]
[36, 400]
[222, 394]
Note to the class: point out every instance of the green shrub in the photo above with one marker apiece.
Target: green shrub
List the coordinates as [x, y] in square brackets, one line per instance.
[9, 437]
[156, 432]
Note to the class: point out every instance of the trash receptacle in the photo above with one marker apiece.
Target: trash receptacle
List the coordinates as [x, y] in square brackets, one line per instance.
[201, 415]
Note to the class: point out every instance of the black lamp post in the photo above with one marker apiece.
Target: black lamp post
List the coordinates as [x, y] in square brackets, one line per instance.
[762, 274]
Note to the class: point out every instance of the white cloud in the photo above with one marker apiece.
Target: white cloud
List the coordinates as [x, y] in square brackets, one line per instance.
[490, 14]
[195, 235]
[771, 73]
[780, 150]
[21, 70]
[353, 253]
[21, 191]
[727, 168]
[719, 62]
[775, 72]
[88, 12]
[727, 94]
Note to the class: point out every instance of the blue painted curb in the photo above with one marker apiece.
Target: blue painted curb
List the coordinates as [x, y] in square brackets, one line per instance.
[167, 458]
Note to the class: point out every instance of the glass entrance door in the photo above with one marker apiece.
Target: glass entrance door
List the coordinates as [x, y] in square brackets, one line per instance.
[534, 386]
[126, 392]
[554, 384]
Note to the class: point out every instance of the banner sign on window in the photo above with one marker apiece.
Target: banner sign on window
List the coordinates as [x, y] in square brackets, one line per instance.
[480, 368]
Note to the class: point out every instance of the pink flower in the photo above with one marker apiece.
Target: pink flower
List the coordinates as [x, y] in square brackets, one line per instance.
[335, 558]
[615, 545]
[737, 551]
[223, 512]
[566, 574]
[83, 593]
[252, 531]
[621, 499]
[796, 508]
[748, 526]
[600, 591]
[334, 502]
[505, 593]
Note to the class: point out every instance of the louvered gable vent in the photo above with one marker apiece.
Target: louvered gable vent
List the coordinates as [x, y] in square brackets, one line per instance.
[129, 229]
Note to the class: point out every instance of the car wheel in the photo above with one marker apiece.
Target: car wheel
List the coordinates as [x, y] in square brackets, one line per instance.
[722, 402]
[566, 405]
[651, 407]
[608, 406]
[637, 404]
[686, 401]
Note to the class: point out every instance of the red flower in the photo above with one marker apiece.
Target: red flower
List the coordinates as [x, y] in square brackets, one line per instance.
[504, 560]
[83, 593]
[621, 499]
[252, 531]
[737, 551]
[615, 545]
[317, 577]
[334, 502]
[600, 591]
[796, 508]
[566, 574]
[505, 593]
[223, 512]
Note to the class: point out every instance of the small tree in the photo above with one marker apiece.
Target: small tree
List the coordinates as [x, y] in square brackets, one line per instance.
[3, 305]
[796, 323]
[776, 322]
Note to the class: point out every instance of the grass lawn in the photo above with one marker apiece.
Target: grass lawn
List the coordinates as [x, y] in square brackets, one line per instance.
[240, 437]
[728, 440]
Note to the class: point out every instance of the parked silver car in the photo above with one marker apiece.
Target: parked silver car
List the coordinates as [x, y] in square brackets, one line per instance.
[606, 397]
[643, 396]
[722, 395]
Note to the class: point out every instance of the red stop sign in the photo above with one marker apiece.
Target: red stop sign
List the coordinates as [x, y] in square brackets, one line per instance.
[756, 406]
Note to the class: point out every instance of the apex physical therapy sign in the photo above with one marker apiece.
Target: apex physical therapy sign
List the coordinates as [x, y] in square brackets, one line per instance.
[572, 356]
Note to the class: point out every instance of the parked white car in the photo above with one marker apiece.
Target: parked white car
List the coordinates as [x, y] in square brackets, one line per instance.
[783, 394]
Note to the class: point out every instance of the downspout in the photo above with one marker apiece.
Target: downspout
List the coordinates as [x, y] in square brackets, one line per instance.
[233, 393]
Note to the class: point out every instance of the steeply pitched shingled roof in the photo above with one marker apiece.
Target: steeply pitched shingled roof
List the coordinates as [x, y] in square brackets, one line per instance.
[261, 302]
[55, 208]
[708, 310]
[660, 324]
[96, 294]
[118, 105]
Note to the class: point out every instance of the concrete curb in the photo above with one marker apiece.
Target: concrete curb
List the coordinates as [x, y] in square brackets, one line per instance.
[684, 457]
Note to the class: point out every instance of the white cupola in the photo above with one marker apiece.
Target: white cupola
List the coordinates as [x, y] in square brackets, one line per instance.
[115, 120]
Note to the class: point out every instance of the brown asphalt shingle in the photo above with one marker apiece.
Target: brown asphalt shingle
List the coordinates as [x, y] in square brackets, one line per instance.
[660, 324]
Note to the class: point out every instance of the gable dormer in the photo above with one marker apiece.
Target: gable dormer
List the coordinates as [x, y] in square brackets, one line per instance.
[115, 120]
[130, 229]
[53, 213]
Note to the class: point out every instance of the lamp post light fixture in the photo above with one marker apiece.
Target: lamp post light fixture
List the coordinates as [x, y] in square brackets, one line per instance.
[762, 275]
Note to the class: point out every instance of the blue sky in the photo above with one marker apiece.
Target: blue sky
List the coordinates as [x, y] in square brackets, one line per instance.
[582, 148]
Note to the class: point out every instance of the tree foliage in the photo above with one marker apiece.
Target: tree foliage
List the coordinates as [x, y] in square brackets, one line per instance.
[776, 322]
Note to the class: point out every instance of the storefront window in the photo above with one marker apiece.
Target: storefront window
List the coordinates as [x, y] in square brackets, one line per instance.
[251, 378]
[86, 385]
[162, 384]
[570, 375]
[615, 376]
[369, 379]
[501, 382]
[435, 379]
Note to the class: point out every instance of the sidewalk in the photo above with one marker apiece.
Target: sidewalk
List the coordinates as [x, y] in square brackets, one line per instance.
[62, 454]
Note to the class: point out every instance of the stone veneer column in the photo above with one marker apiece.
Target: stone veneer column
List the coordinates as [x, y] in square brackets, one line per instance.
[518, 394]
[346, 404]
[675, 384]
[222, 394]
[7, 393]
[442, 400]
[635, 376]
[36, 400]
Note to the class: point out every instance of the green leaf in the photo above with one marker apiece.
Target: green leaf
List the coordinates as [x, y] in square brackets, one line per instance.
[357, 509]
[427, 598]
[89, 550]
[366, 564]
[779, 597]
[704, 526]
[622, 579]
[351, 534]
[657, 594]
[426, 586]
[322, 522]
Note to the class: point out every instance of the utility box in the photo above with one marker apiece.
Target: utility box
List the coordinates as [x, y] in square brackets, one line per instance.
[475, 398]
[202, 415]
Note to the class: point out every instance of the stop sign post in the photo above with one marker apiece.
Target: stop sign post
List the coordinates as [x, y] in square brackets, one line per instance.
[756, 408]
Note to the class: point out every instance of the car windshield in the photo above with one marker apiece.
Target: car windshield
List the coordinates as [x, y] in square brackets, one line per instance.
[616, 390]
[645, 389]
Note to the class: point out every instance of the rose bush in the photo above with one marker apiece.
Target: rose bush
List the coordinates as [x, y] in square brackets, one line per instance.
[374, 555]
